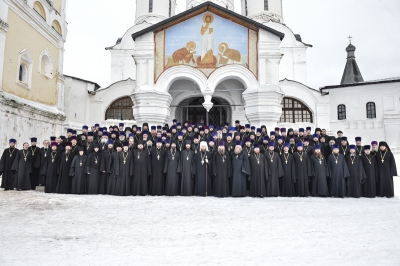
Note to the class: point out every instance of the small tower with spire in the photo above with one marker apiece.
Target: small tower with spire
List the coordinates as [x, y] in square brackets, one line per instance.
[351, 72]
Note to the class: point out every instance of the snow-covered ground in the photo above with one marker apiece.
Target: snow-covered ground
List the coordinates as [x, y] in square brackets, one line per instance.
[43, 229]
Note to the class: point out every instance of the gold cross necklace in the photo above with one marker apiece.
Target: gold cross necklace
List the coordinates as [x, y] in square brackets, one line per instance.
[383, 157]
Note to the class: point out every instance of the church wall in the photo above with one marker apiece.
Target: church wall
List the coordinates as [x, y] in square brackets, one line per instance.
[43, 89]
[386, 125]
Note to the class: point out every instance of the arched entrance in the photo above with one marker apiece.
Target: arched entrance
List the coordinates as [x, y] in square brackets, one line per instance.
[193, 111]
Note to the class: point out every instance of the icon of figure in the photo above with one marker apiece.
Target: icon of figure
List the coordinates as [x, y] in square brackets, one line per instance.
[227, 55]
[185, 54]
[207, 30]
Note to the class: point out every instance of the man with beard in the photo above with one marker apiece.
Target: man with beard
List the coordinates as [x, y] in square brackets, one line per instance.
[386, 170]
[307, 148]
[258, 138]
[172, 168]
[264, 145]
[132, 145]
[22, 168]
[6, 163]
[344, 147]
[195, 146]
[292, 147]
[300, 138]
[104, 142]
[241, 173]
[93, 170]
[316, 141]
[106, 167]
[35, 174]
[78, 173]
[248, 147]
[51, 169]
[275, 171]
[320, 173]
[64, 182]
[229, 145]
[357, 173]
[88, 144]
[359, 147]
[370, 167]
[141, 170]
[180, 142]
[201, 171]
[186, 170]
[260, 173]
[303, 171]
[339, 138]
[279, 145]
[82, 136]
[288, 180]
[167, 145]
[222, 171]
[272, 136]
[211, 145]
[338, 172]
[329, 149]
[374, 148]
[41, 160]
[158, 155]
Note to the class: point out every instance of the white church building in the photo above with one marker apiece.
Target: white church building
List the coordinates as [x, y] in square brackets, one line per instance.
[212, 65]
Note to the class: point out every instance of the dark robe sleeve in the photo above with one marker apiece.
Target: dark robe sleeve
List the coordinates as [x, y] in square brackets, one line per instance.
[246, 166]
[393, 169]
[327, 170]
[293, 167]
[72, 168]
[280, 169]
[166, 164]
[178, 157]
[88, 163]
[149, 165]
[2, 163]
[267, 170]
[131, 170]
[346, 172]
[38, 160]
[103, 166]
[229, 162]
[363, 175]
[214, 169]
[14, 166]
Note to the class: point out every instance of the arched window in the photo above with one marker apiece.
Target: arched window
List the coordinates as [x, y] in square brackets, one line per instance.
[341, 112]
[37, 6]
[121, 109]
[24, 75]
[294, 111]
[371, 110]
[56, 25]
[266, 5]
[46, 64]
[150, 6]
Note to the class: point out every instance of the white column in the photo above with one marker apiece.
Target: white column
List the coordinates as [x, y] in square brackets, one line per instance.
[141, 72]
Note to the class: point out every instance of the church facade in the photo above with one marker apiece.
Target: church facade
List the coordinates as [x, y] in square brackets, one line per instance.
[212, 65]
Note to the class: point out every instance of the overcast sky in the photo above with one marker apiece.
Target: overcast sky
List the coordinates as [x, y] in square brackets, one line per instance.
[373, 24]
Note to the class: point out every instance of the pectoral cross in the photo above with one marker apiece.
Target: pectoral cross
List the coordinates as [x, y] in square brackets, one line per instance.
[158, 157]
[320, 162]
[124, 161]
[258, 161]
[95, 162]
[187, 158]
[52, 160]
[286, 161]
[382, 160]
[223, 160]
[202, 162]
[25, 159]
[336, 161]
[301, 159]
[80, 164]
[45, 154]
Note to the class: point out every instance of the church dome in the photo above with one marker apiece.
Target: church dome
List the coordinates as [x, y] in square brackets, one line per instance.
[225, 3]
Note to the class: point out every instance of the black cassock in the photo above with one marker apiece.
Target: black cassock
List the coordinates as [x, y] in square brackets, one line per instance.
[357, 176]
[222, 171]
[289, 176]
[35, 168]
[64, 182]
[309, 150]
[40, 163]
[6, 162]
[319, 177]
[78, 173]
[93, 171]
[303, 173]
[114, 171]
[201, 171]
[124, 162]
[276, 173]
[106, 170]
[386, 171]
[370, 167]
[157, 171]
[22, 168]
[240, 174]
[186, 172]
[260, 173]
[172, 168]
[141, 172]
[338, 172]
[50, 171]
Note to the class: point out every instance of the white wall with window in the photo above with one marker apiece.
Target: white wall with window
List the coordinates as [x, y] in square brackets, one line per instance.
[24, 74]
[46, 64]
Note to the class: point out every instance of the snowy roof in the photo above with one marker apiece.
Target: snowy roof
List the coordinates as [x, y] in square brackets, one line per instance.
[377, 81]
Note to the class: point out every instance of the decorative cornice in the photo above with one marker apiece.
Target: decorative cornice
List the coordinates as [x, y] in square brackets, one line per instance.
[266, 17]
[4, 26]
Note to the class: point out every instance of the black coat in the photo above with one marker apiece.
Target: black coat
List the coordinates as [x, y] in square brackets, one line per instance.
[6, 162]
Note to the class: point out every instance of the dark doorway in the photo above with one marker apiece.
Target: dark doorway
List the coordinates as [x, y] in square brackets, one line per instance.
[192, 110]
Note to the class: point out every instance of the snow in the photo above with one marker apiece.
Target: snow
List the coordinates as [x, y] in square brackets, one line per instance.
[51, 229]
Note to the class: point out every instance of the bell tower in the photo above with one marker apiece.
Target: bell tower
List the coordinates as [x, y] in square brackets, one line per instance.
[229, 4]
[263, 10]
[156, 9]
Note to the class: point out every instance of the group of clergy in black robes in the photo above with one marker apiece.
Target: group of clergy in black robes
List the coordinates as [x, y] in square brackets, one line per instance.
[228, 161]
